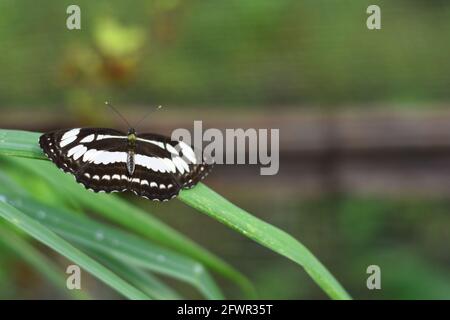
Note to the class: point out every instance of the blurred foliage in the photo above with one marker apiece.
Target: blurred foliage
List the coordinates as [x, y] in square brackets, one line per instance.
[407, 238]
[219, 53]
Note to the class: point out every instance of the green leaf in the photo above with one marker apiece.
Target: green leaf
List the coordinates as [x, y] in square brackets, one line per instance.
[20, 144]
[47, 237]
[217, 207]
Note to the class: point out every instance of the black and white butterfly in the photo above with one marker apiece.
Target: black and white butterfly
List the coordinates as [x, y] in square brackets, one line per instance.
[106, 160]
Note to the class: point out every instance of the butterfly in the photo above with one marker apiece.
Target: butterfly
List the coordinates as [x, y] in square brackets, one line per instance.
[106, 160]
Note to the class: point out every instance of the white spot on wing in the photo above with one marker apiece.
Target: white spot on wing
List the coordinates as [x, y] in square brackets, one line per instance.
[157, 143]
[152, 163]
[67, 141]
[88, 138]
[171, 149]
[74, 150]
[170, 165]
[107, 157]
[90, 155]
[107, 136]
[188, 152]
[79, 152]
[71, 133]
[181, 165]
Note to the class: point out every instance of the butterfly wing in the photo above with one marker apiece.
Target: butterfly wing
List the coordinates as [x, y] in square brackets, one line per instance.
[185, 166]
[154, 185]
[95, 156]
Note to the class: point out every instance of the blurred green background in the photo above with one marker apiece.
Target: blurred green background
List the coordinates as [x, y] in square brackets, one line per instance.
[363, 118]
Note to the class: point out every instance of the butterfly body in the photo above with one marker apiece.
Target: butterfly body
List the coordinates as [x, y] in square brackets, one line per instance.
[106, 160]
[131, 164]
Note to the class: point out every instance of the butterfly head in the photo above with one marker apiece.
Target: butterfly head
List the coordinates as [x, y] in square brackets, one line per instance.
[131, 135]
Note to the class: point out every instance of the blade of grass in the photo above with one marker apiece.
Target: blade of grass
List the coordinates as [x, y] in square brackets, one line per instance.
[47, 237]
[118, 244]
[209, 202]
[20, 181]
[20, 144]
[40, 262]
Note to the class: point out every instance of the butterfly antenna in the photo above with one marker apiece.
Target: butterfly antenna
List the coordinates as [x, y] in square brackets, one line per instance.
[118, 113]
[145, 117]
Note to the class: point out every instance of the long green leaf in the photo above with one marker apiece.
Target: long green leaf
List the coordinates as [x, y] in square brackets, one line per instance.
[214, 205]
[47, 237]
[20, 144]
